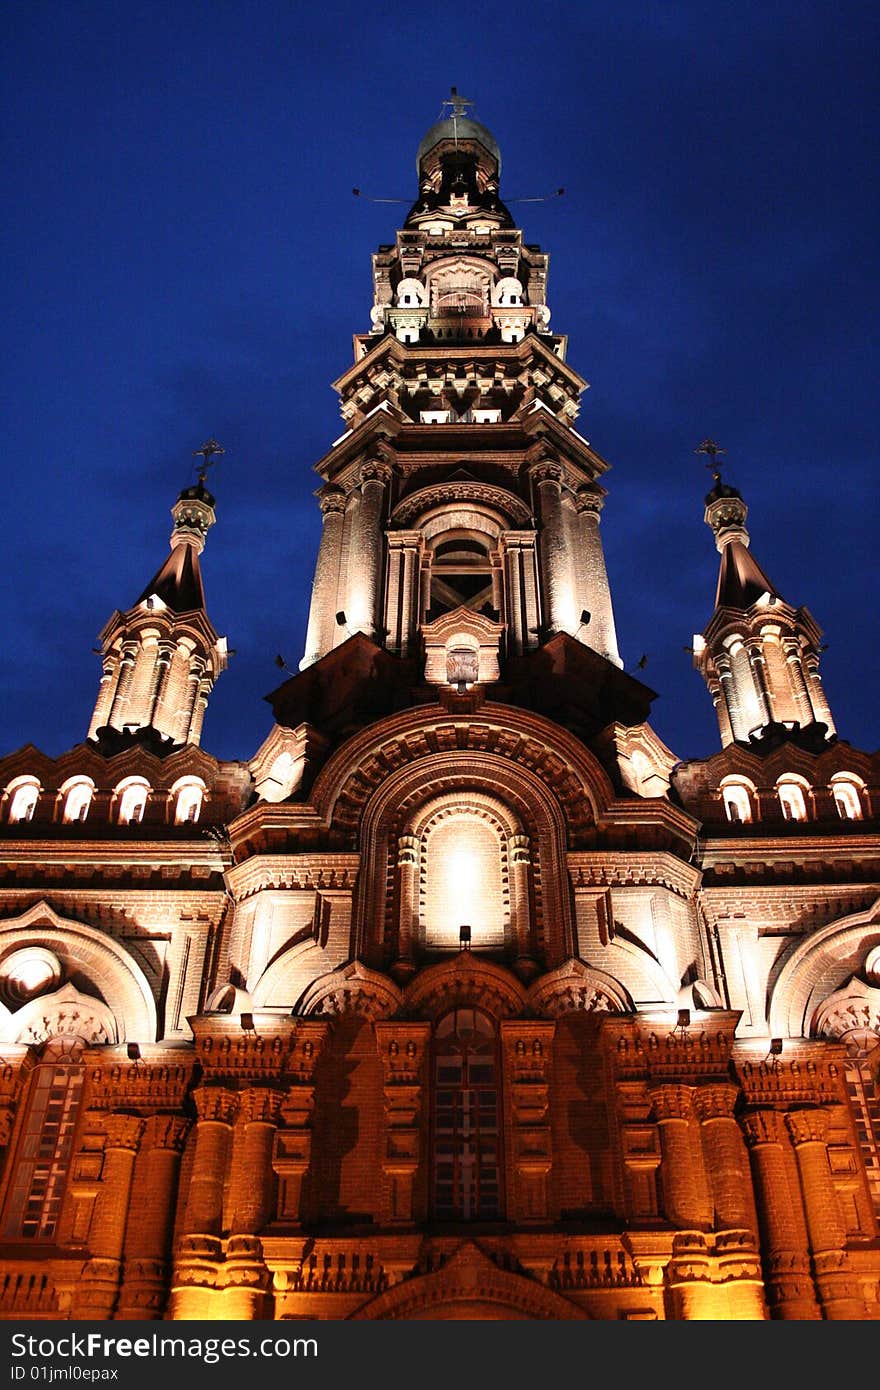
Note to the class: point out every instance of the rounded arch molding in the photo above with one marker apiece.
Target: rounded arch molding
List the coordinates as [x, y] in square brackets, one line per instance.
[523, 740]
[818, 967]
[108, 966]
[470, 1286]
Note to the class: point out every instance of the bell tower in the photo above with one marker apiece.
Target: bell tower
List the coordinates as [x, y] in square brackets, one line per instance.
[460, 485]
[758, 656]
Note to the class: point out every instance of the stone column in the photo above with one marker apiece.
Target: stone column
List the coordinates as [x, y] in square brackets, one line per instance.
[216, 1107]
[365, 570]
[119, 706]
[556, 578]
[727, 1159]
[96, 1293]
[247, 1280]
[818, 698]
[206, 685]
[519, 859]
[402, 1049]
[402, 611]
[789, 1285]
[838, 1290]
[528, 1051]
[325, 588]
[755, 651]
[151, 1223]
[199, 1251]
[600, 633]
[408, 875]
[101, 715]
[792, 649]
[521, 608]
[293, 1140]
[686, 1198]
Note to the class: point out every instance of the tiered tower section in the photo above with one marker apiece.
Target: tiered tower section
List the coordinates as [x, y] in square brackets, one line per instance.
[758, 655]
[460, 484]
[162, 656]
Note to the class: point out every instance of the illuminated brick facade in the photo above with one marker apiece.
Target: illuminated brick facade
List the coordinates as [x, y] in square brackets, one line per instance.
[463, 996]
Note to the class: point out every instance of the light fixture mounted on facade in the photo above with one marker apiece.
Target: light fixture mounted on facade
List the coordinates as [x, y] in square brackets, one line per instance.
[464, 938]
[247, 1024]
[341, 618]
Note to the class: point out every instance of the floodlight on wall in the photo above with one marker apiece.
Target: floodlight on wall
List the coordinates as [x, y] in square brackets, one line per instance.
[247, 1023]
[134, 1052]
[775, 1047]
[586, 616]
[464, 938]
[341, 618]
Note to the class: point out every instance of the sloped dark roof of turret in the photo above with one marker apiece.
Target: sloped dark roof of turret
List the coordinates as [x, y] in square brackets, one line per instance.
[741, 581]
[179, 581]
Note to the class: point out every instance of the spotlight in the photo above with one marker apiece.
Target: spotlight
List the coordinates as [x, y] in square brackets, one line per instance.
[775, 1047]
[247, 1023]
[341, 618]
[684, 1018]
[464, 938]
[134, 1052]
[586, 615]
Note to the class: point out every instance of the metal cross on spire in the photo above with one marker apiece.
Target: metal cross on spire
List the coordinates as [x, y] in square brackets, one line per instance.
[458, 106]
[713, 450]
[208, 453]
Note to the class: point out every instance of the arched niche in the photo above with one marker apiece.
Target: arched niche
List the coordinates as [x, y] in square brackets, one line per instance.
[115, 977]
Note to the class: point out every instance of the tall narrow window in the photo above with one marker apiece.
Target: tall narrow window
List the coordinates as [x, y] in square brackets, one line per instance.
[34, 1203]
[467, 1132]
[846, 799]
[791, 799]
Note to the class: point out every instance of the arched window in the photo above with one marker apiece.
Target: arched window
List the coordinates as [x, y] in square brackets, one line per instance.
[846, 797]
[77, 793]
[461, 573]
[791, 799]
[39, 1175]
[466, 1122]
[465, 881]
[190, 792]
[737, 801]
[23, 794]
[132, 794]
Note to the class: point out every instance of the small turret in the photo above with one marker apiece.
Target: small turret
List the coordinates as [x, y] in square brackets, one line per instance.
[162, 656]
[758, 656]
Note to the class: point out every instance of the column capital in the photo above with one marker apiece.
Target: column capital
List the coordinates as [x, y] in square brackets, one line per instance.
[215, 1104]
[407, 850]
[519, 848]
[762, 1127]
[332, 499]
[589, 500]
[259, 1105]
[672, 1101]
[715, 1101]
[122, 1131]
[166, 1132]
[547, 470]
[375, 471]
[807, 1126]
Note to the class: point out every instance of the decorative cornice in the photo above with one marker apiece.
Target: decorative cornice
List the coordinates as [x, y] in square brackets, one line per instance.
[289, 872]
[415, 504]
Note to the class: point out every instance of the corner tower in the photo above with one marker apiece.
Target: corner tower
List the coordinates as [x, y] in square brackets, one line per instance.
[758, 656]
[162, 656]
[460, 484]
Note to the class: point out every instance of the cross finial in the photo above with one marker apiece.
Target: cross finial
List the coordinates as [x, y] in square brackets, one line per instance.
[458, 105]
[209, 451]
[713, 450]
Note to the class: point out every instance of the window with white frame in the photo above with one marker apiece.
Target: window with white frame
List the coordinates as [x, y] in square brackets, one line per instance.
[132, 793]
[792, 801]
[23, 795]
[190, 796]
[78, 794]
[737, 802]
[846, 798]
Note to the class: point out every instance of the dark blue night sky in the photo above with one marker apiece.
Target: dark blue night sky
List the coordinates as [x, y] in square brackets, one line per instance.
[183, 258]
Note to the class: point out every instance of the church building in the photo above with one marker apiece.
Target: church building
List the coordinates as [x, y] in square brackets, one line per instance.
[463, 996]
